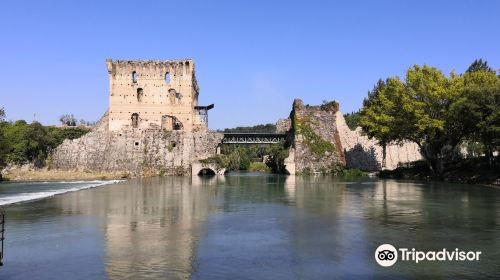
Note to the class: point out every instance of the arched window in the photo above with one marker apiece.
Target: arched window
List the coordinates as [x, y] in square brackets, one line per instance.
[134, 77]
[140, 93]
[167, 78]
[135, 120]
[172, 96]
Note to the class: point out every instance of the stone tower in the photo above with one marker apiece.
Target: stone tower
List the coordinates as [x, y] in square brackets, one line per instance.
[154, 93]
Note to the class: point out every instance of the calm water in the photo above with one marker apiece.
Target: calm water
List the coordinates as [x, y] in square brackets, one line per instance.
[248, 226]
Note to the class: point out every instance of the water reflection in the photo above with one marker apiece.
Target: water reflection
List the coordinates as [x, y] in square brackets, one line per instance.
[251, 226]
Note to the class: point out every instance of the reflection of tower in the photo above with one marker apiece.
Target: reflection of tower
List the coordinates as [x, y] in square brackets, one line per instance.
[152, 225]
[290, 188]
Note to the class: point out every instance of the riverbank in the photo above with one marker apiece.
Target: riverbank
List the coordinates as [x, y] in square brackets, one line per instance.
[19, 174]
[466, 171]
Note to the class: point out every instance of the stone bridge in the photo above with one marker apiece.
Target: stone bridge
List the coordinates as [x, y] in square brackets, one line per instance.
[198, 168]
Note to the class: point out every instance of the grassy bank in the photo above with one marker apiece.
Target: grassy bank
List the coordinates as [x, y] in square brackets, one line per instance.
[58, 175]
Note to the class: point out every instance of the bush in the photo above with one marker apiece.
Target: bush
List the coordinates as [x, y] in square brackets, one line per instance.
[258, 167]
[21, 142]
[352, 173]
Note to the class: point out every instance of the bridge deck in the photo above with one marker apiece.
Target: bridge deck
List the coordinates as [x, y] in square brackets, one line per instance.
[253, 138]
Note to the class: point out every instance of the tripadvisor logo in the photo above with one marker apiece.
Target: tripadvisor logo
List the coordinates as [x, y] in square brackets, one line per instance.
[387, 255]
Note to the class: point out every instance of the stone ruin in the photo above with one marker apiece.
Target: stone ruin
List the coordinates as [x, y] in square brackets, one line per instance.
[164, 93]
[154, 126]
[322, 141]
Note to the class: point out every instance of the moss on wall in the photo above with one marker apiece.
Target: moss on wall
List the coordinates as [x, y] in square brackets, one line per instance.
[314, 142]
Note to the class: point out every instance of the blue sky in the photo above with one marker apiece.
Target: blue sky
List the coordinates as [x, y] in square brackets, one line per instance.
[252, 57]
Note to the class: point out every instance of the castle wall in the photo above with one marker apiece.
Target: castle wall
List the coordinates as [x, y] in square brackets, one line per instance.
[153, 90]
[151, 126]
[323, 129]
[366, 154]
[140, 152]
[316, 145]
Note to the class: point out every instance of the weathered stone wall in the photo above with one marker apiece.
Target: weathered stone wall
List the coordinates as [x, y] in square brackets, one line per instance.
[365, 154]
[151, 127]
[313, 127]
[283, 125]
[316, 142]
[153, 91]
[138, 151]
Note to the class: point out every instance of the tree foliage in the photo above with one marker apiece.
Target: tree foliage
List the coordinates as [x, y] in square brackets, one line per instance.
[435, 111]
[264, 128]
[352, 119]
[68, 120]
[21, 142]
[378, 117]
[479, 65]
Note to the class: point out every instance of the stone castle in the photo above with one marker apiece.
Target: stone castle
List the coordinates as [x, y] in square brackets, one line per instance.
[154, 126]
[164, 93]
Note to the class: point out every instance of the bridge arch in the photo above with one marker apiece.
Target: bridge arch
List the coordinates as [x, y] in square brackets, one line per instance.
[198, 168]
[206, 172]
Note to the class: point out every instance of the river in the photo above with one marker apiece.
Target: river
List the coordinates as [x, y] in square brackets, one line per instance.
[245, 226]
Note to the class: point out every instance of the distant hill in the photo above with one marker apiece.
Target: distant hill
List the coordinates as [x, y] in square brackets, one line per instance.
[267, 128]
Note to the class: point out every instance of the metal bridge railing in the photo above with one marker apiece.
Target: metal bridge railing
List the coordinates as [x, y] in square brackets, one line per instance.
[252, 138]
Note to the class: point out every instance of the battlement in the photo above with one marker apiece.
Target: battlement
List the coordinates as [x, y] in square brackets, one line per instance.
[118, 66]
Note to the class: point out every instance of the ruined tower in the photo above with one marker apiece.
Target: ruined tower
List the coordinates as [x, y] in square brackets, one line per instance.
[154, 93]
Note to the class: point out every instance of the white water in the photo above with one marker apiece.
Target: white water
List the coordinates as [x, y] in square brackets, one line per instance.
[39, 190]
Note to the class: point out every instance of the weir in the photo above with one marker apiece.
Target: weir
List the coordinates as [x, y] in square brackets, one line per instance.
[2, 237]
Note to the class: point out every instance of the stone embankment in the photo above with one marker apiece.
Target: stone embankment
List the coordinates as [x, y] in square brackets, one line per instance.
[138, 151]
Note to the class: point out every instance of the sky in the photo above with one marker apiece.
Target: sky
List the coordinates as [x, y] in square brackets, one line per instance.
[252, 58]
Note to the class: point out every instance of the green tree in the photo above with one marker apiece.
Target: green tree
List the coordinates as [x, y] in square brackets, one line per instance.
[379, 115]
[478, 109]
[352, 119]
[277, 153]
[16, 142]
[263, 128]
[479, 65]
[37, 141]
[426, 113]
[68, 120]
[22, 143]
[3, 144]
[417, 110]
